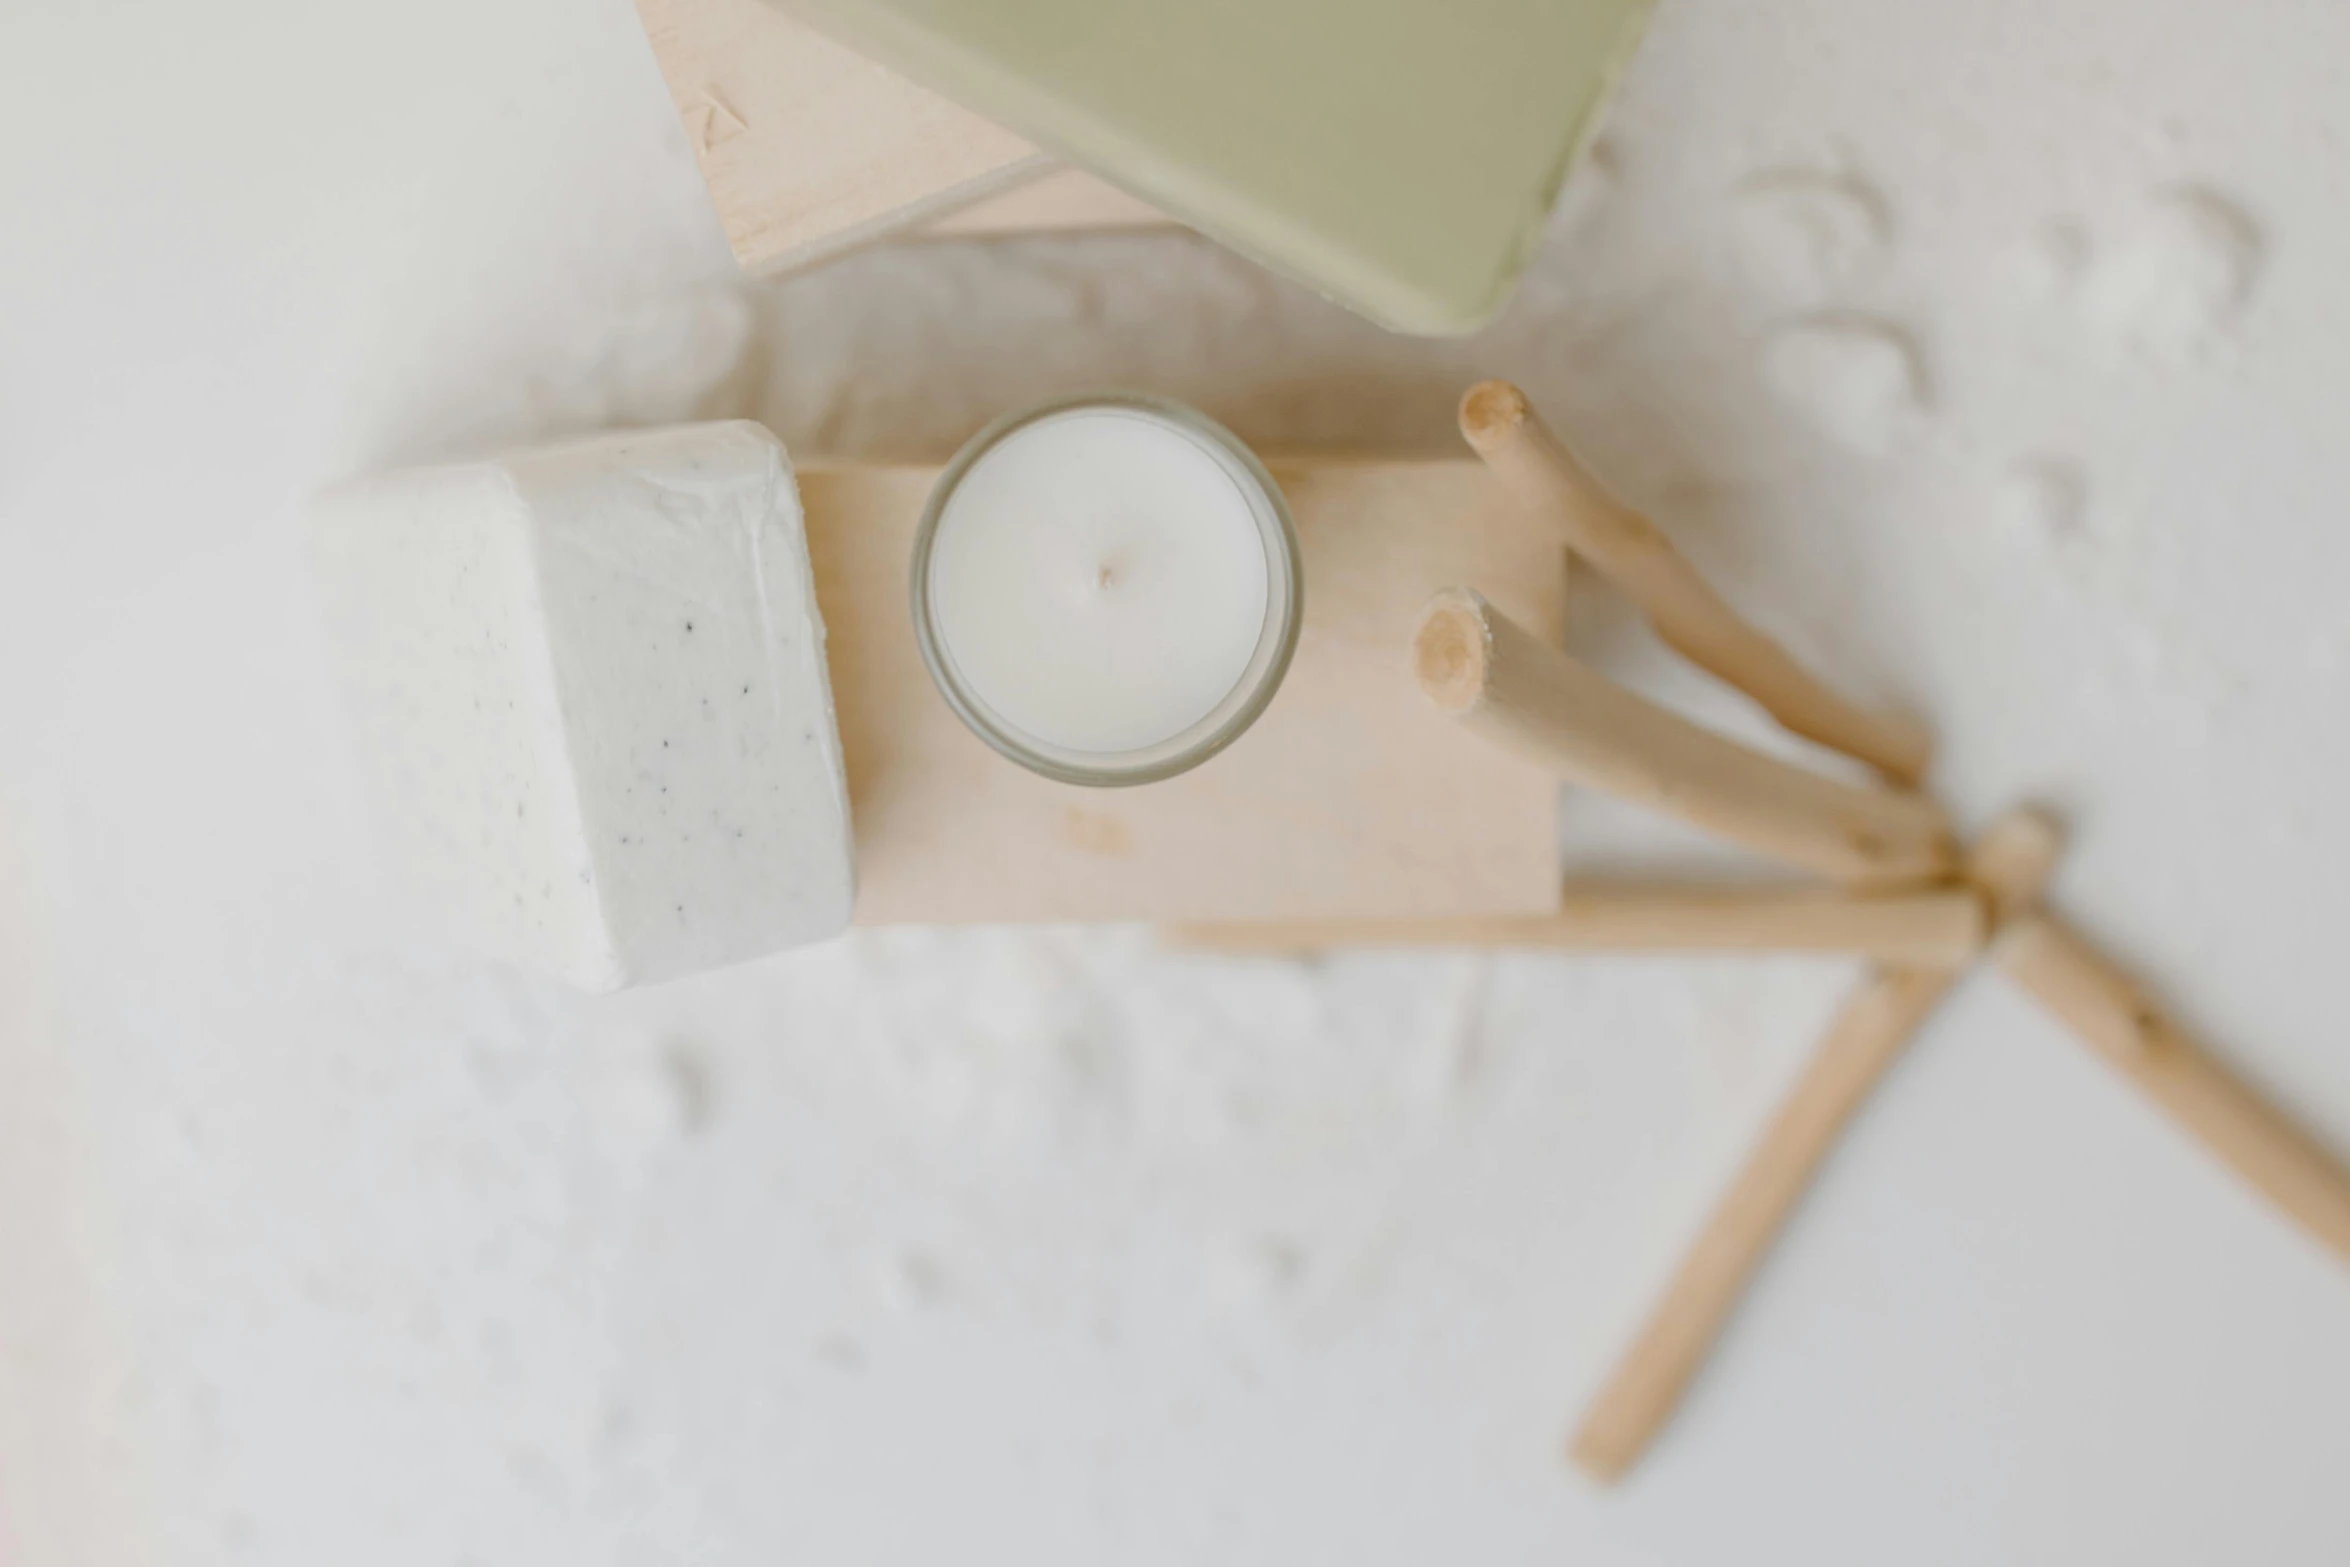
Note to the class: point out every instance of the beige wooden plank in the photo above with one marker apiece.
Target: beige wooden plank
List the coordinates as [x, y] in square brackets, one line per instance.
[1941, 928]
[1065, 200]
[810, 149]
[1351, 797]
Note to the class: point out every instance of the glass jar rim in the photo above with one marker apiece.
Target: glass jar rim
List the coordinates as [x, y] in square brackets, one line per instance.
[1231, 717]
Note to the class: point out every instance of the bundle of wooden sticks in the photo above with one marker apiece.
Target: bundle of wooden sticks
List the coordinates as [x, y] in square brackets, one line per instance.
[1908, 896]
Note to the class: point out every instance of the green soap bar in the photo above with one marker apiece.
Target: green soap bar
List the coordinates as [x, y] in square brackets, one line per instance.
[1398, 155]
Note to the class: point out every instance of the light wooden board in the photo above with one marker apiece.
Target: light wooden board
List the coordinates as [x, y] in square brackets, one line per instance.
[810, 150]
[1351, 797]
[1063, 200]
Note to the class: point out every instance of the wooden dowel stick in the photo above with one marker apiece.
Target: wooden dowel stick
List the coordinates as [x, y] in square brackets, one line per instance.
[1632, 553]
[1474, 662]
[2009, 865]
[1923, 930]
[2114, 1016]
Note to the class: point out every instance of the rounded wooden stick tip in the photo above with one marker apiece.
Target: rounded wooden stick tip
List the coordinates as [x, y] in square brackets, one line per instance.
[2011, 862]
[1452, 652]
[2026, 833]
[1492, 413]
[1603, 1455]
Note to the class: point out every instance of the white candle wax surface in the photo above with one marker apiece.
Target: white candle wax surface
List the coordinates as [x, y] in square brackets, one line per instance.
[1101, 578]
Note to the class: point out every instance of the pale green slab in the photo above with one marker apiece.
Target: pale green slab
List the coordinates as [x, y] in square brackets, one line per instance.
[1398, 155]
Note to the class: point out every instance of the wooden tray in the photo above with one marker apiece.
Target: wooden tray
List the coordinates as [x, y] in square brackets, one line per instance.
[810, 149]
[1351, 797]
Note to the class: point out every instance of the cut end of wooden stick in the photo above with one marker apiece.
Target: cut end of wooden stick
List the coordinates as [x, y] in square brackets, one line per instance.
[1452, 652]
[1603, 1455]
[2013, 859]
[1492, 414]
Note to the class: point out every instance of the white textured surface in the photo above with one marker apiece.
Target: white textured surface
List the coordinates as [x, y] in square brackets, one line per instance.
[322, 1247]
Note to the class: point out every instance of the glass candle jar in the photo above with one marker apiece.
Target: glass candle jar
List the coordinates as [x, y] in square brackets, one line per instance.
[1107, 589]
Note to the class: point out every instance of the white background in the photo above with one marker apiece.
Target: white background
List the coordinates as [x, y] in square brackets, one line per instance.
[324, 1243]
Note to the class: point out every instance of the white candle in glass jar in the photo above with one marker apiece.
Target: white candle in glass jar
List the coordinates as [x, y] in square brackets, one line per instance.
[1107, 591]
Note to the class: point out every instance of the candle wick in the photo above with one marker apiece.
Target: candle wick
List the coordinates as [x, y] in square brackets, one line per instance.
[1105, 576]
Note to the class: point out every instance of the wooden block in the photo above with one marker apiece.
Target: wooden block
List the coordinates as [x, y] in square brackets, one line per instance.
[810, 149]
[1064, 200]
[1350, 797]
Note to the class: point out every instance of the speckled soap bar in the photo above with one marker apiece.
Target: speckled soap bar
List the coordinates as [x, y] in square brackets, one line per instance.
[589, 684]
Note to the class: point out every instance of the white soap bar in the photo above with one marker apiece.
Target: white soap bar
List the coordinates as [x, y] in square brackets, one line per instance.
[589, 683]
